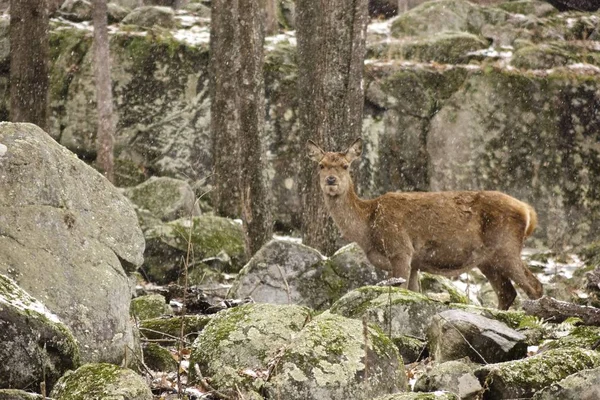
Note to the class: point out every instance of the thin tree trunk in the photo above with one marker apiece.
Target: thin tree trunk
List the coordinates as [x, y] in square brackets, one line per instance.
[256, 205]
[29, 54]
[224, 123]
[331, 48]
[106, 127]
[271, 24]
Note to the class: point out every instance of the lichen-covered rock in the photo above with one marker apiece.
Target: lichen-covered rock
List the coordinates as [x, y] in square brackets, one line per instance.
[533, 7]
[522, 378]
[453, 376]
[396, 311]
[410, 348]
[116, 12]
[151, 16]
[455, 334]
[211, 236]
[543, 56]
[583, 337]
[68, 236]
[440, 288]
[168, 329]
[245, 338]
[149, 306]
[445, 47]
[15, 394]
[35, 346]
[101, 381]
[284, 272]
[336, 358]
[584, 385]
[77, 10]
[446, 15]
[165, 198]
[158, 358]
[439, 395]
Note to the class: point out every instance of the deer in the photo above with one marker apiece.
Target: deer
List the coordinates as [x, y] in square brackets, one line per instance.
[445, 233]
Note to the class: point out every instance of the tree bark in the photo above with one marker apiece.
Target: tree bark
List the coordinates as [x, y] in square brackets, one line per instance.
[557, 311]
[29, 55]
[225, 122]
[331, 48]
[106, 128]
[256, 205]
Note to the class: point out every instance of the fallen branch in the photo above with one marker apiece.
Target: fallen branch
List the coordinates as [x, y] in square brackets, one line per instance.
[554, 310]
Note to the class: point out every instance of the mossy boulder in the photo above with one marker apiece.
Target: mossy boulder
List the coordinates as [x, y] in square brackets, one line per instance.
[69, 237]
[440, 288]
[584, 385]
[157, 358]
[529, 7]
[165, 198]
[149, 306]
[455, 334]
[522, 378]
[168, 329]
[446, 15]
[410, 348]
[542, 56]
[245, 338]
[336, 358]
[211, 237]
[101, 381]
[396, 311]
[77, 10]
[583, 337]
[452, 376]
[35, 346]
[284, 272]
[116, 12]
[151, 16]
[445, 47]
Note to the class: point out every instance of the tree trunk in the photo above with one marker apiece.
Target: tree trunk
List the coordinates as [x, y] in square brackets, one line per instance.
[331, 48]
[29, 54]
[256, 206]
[224, 121]
[106, 127]
[271, 24]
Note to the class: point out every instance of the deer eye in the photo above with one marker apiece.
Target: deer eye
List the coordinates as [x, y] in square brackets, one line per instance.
[345, 166]
[321, 166]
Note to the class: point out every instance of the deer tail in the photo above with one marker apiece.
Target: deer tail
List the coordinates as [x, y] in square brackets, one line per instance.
[531, 219]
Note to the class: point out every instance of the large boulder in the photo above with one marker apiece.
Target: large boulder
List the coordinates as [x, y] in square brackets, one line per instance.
[68, 236]
[35, 346]
[455, 334]
[336, 358]
[151, 16]
[284, 272]
[522, 378]
[584, 385]
[245, 338]
[101, 381]
[453, 376]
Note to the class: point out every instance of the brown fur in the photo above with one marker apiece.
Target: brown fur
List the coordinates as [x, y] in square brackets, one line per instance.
[441, 232]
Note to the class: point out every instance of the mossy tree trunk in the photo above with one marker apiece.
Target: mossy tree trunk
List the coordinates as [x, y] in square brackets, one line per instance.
[29, 54]
[331, 47]
[256, 204]
[106, 127]
[224, 110]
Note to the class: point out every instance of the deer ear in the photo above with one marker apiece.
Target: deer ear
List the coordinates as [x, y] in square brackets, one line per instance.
[314, 152]
[355, 150]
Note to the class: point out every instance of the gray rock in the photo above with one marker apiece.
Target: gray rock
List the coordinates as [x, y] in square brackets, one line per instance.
[245, 339]
[584, 385]
[116, 12]
[440, 288]
[151, 16]
[15, 394]
[101, 381]
[327, 360]
[157, 358]
[77, 10]
[522, 378]
[453, 376]
[420, 396]
[213, 239]
[284, 272]
[67, 235]
[149, 306]
[165, 198]
[396, 311]
[35, 346]
[455, 334]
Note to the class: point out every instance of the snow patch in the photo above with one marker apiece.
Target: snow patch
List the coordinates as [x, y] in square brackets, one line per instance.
[21, 300]
[194, 36]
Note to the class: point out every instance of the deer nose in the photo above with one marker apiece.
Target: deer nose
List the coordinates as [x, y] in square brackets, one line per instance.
[330, 180]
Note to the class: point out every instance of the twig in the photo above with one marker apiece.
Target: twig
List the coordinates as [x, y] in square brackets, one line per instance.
[287, 287]
[207, 385]
[141, 328]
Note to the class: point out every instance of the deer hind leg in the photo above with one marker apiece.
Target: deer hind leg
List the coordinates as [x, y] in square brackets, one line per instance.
[505, 291]
[400, 264]
[414, 283]
[524, 278]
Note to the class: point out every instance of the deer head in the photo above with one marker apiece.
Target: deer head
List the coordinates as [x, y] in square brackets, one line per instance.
[334, 173]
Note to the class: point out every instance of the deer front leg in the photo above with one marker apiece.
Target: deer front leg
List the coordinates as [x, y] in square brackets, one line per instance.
[413, 283]
[400, 264]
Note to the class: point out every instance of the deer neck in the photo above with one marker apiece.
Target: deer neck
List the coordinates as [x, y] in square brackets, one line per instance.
[350, 214]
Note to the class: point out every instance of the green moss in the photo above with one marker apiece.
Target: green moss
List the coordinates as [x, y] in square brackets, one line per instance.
[170, 328]
[584, 337]
[446, 47]
[150, 306]
[158, 358]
